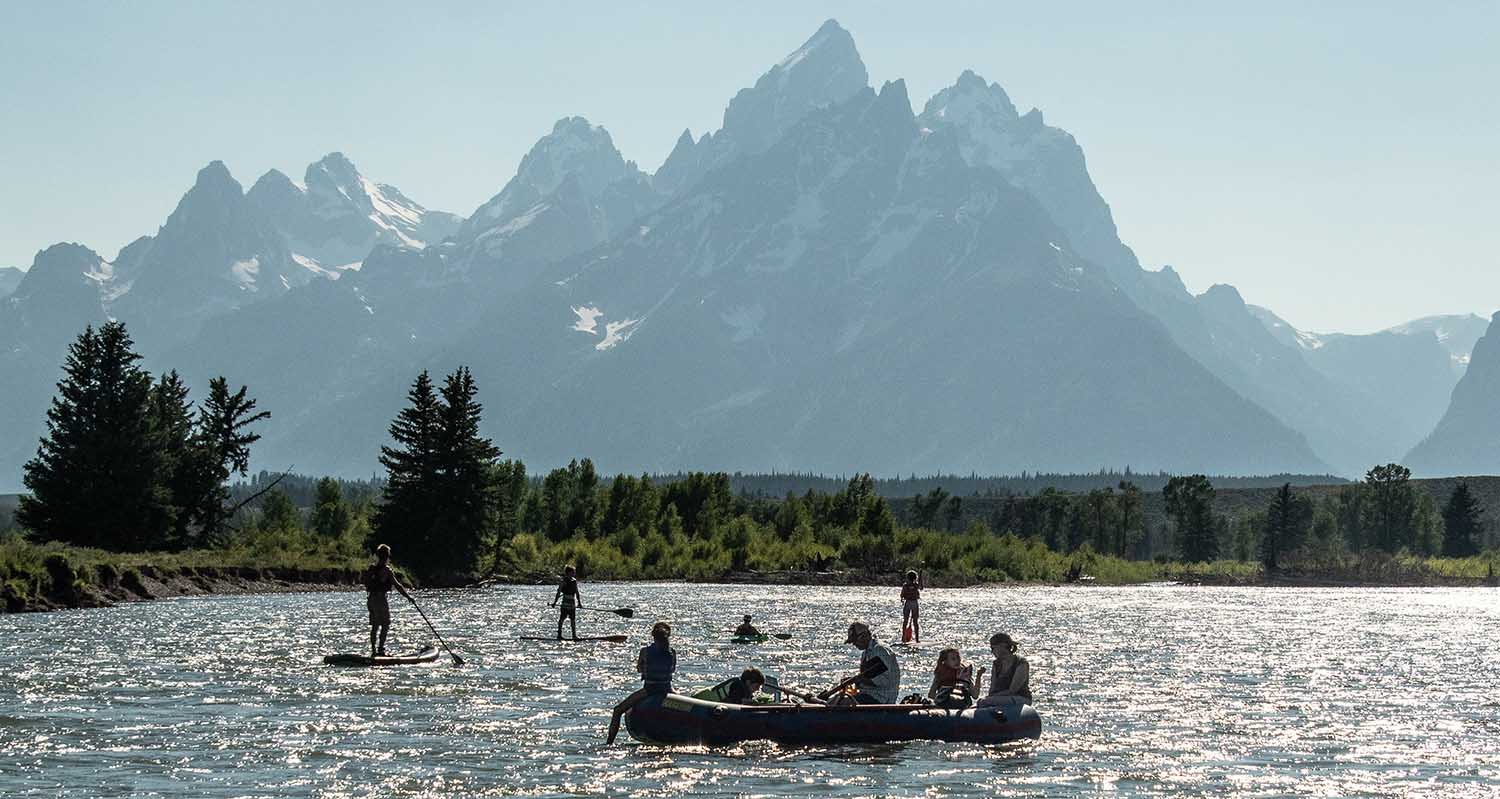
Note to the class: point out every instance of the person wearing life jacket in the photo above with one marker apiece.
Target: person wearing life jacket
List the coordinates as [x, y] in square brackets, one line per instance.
[656, 663]
[1012, 676]
[953, 681]
[911, 591]
[879, 680]
[735, 690]
[379, 579]
[567, 591]
[746, 629]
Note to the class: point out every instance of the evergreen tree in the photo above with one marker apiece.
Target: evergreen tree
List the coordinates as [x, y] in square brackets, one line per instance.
[464, 459]
[436, 506]
[408, 505]
[331, 515]
[223, 443]
[278, 514]
[175, 432]
[1189, 502]
[1287, 523]
[1463, 520]
[95, 478]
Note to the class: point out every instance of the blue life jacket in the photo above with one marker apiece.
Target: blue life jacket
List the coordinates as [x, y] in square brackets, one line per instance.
[660, 662]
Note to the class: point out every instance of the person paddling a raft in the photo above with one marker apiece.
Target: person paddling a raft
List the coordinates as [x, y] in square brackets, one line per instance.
[379, 579]
[567, 591]
[911, 592]
[656, 663]
[1011, 681]
[879, 681]
[746, 629]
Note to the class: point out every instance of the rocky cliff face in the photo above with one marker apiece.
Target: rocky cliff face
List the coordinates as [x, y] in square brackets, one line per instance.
[1467, 439]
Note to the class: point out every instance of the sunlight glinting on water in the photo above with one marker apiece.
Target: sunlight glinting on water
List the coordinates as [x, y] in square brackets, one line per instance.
[1148, 691]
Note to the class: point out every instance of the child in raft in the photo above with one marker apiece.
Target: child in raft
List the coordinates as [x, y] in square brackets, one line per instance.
[657, 662]
[954, 682]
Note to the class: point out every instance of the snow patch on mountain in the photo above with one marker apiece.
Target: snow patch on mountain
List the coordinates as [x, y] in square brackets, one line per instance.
[616, 333]
[588, 319]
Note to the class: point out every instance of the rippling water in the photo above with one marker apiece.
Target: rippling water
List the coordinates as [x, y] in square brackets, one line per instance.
[1142, 691]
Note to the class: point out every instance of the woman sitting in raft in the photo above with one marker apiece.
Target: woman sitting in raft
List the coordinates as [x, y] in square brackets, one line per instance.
[1012, 677]
[746, 629]
[656, 663]
[739, 690]
[953, 681]
[379, 579]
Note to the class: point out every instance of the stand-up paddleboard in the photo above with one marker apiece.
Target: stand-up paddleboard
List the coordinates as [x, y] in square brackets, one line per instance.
[426, 654]
[582, 639]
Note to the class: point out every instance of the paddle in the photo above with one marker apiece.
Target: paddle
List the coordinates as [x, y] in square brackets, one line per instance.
[457, 661]
[872, 668]
[624, 613]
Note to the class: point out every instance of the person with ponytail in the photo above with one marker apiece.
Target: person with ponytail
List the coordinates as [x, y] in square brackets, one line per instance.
[1011, 680]
[656, 664]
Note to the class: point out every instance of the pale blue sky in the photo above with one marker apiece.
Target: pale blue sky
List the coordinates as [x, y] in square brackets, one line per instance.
[1336, 161]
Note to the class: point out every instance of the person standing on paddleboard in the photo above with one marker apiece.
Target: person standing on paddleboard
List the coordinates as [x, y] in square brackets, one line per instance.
[379, 579]
[567, 591]
[657, 662]
[911, 592]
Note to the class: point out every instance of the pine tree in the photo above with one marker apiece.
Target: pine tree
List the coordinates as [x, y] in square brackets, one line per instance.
[464, 460]
[1463, 519]
[172, 425]
[1130, 522]
[223, 442]
[331, 515]
[1287, 524]
[95, 478]
[408, 507]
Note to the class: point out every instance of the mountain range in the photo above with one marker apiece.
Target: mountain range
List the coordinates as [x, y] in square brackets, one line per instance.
[830, 281]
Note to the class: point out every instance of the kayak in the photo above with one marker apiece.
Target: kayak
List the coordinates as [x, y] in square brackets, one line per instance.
[759, 638]
[677, 719]
[582, 639]
[426, 654]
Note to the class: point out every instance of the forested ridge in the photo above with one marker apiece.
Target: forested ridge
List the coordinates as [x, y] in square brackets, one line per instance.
[130, 465]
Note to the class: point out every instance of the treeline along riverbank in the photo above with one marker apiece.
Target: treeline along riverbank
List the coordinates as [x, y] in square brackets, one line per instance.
[130, 466]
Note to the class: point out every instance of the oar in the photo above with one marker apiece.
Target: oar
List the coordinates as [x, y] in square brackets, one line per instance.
[457, 661]
[874, 668]
[799, 694]
[624, 613]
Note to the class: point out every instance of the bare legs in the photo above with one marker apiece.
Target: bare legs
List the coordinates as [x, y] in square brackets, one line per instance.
[571, 614]
[909, 619]
[377, 639]
[621, 709]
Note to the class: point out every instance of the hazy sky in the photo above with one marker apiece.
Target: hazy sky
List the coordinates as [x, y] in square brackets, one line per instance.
[1335, 161]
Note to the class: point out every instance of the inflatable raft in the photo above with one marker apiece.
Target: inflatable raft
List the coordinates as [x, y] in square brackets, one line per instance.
[676, 719]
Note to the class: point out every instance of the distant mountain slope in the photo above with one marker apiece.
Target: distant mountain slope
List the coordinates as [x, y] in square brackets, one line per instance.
[856, 297]
[1467, 439]
[10, 277]
[58, 297]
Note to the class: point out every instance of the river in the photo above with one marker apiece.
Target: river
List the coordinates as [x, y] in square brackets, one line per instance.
[1143, 691]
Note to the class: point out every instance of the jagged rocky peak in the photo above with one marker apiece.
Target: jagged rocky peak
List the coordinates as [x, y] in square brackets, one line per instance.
[824, 71]
[970, 100]
[574, 147]
[65, 268]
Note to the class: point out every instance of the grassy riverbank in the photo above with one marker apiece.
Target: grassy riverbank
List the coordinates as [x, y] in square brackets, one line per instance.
[52, 576]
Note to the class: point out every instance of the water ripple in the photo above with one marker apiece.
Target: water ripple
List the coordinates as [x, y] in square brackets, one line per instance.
[1155, 691]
